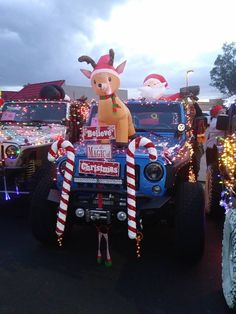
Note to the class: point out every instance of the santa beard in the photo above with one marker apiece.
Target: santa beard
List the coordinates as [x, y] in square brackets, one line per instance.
[152, 92]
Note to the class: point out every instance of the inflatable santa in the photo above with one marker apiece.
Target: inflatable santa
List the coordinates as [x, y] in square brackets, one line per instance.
[154, 86]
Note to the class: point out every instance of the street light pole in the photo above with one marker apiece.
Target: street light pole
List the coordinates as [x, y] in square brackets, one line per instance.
[187, 74]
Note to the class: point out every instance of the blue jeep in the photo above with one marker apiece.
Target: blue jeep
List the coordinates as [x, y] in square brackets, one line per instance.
[165, 189]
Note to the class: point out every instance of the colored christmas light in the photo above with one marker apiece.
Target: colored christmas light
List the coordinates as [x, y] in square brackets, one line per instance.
[227, 166]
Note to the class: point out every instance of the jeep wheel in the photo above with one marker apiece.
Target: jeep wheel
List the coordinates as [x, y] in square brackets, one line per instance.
[212, 192]
[229, 259]
[190, 220]
[37, 174]
[43, 213]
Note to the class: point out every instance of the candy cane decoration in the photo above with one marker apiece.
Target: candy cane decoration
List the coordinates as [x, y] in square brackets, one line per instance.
[69, 168]
[130, 171]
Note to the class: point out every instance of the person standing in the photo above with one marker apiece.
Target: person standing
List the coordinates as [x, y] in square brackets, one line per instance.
[213, 133]
[198, 129]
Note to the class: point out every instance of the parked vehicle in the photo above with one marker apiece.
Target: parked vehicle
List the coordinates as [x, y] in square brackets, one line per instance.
[27, 129]
[227, 199]
[165, 189]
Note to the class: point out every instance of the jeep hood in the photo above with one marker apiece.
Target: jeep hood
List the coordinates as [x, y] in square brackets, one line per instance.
[167, 147]
[170, 143]
[31, 135]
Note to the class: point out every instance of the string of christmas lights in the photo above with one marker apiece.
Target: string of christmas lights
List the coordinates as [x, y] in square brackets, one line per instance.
[227, 161]
[18, 121]
[227, 166]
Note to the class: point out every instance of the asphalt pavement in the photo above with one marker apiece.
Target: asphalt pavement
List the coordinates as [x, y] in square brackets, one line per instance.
[42, 280]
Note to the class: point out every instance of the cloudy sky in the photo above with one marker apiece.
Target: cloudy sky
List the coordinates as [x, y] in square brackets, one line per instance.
[41, 40]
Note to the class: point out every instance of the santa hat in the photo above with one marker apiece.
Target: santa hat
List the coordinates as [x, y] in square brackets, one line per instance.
[103, 64]
[215, 110]
[156, 77]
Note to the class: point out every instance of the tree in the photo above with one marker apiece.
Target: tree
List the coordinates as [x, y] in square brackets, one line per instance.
[223, 74]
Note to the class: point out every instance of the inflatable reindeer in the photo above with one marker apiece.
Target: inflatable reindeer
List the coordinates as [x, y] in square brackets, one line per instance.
[105, 82]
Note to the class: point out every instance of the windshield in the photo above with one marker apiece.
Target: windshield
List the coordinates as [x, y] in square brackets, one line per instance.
[150, 116]
[155, 116]
[48, 112]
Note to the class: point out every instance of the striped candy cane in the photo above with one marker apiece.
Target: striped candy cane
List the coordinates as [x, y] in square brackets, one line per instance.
[69, 168]
[131, 197]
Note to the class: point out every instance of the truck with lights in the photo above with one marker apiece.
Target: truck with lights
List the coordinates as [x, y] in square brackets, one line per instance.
[221, 195]
[165, 189]
[27, 129]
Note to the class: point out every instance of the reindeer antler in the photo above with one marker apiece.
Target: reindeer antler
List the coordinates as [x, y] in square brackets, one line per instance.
[88, 60]
[111, 53]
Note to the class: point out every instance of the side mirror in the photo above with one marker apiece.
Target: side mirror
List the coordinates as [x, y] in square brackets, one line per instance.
[222, 122]
[189, 91]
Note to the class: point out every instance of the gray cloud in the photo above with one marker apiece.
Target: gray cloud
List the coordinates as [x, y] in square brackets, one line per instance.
[41, 40]
[174, 73]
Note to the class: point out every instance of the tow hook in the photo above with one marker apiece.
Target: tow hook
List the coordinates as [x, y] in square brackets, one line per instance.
[97, 214]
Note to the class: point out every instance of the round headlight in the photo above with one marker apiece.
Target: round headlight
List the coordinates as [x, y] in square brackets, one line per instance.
[12, 151]
[154, 171]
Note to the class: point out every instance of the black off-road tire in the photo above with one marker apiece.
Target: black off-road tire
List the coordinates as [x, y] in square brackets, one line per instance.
[32, 181]
[190, 221]
[213, 190]
[229, 258]
[46, 168]
[43, 213]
